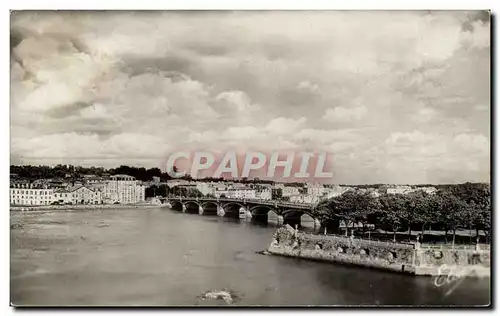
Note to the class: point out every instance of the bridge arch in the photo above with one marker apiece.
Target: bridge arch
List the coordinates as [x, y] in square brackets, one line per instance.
[289, 211]
[209, 207]
[265, 214]
[255, 208]
[192, 206]
[232, 209]
[176, 205]
[302, 218]
[207, 203]
[226, 204]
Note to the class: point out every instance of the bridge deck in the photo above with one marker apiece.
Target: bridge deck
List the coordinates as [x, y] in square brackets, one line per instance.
[247, 201]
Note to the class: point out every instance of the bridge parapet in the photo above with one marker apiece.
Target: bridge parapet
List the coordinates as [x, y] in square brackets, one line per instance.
[274, 203]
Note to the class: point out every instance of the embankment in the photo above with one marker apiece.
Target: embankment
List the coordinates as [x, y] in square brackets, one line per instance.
[80, 207]
[403, 258]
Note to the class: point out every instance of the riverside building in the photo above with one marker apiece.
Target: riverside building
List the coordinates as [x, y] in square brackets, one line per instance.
[123, 189]
[78, 194]
[29, 194]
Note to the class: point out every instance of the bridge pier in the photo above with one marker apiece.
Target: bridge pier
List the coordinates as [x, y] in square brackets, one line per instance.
[248, 215]
[244, 213]
[200, 210]
[184, 208]
[317, 223]
[220, 211]
[281, 220]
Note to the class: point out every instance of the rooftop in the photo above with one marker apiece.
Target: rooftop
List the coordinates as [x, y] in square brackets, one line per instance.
[116, 176]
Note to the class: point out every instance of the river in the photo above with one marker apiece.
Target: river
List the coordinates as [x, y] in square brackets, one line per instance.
[158, 257]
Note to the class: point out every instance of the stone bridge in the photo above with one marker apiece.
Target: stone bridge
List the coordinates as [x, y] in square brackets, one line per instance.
[250, 209]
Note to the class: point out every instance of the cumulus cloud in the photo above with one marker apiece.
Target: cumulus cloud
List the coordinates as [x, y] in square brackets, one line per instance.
[308, 86]
[284, 126]
[425, 114]
[423, 157]
[235, 101]
[344, 114]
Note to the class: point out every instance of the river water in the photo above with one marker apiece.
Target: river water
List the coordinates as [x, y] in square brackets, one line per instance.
[158, 257]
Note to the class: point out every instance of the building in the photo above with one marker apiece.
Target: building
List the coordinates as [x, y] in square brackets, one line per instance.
[263, 193]
[333, 191]
[85, 195]
[92, 179]
[58, 182]
[221, 193]
[77, 194]
[29, 194]
[373, 192]
[428, 190]
[206, 188]
[62, 196]
[316, 190]
[239, 193]
[124, 189]
[304, 198]
[221, 189]
[400, 189]
[173, 183]
[289, 191]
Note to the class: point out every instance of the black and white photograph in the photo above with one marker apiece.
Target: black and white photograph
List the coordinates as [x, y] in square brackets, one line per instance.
[250, 158]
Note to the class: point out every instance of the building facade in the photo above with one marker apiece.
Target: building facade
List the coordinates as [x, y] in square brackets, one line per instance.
[263, 194]
[123, 189]
[304, 198]
[289, 191]
[63, 196]
[85, 195]
[28, 194]
[118, 189]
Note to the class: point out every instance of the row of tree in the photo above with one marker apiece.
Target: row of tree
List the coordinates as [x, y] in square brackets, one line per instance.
[466, 206]
[31, 173]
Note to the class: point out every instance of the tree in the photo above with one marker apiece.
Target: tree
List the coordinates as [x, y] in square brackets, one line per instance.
[327, 217]
[452, 212]
[393, 211]
[415, 211]
[472, 216]
[428, 212]
[193, 192]
[353, 207]
[276, 194]
[482, 218]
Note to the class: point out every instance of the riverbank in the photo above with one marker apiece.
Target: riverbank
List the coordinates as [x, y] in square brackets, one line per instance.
[396, 257]
[81, 207]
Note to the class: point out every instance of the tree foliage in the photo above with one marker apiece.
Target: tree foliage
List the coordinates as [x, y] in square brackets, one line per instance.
[452, 207]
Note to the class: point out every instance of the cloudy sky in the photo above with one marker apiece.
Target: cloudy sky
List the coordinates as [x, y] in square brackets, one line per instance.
[393, 97]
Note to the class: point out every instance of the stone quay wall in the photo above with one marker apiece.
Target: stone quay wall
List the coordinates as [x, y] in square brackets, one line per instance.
[80, 207]
[397, 257]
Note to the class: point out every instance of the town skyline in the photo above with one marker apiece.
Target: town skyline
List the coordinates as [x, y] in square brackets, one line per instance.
[228, 179]
[406, 102]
